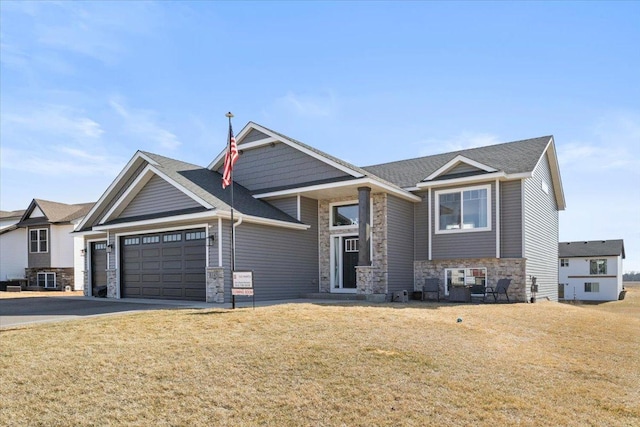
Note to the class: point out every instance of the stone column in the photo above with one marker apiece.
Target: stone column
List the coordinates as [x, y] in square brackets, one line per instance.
[215, 284]
[364, 226]
[112, 283]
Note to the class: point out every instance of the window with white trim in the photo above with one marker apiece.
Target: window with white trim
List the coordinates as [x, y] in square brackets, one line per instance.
[463, 210]
[100, 246]
[469, 277]
[47, 280]
[598, 266]
[38, 240]
[592, 287]
[344, 215]
[564, 262]
[351, 244]
[131, 241]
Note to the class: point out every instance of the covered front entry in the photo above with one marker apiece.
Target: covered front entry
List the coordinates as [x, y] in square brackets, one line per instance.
[167, 265]
[344, 259]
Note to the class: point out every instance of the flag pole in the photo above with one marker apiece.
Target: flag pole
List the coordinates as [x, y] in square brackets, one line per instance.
[229, 115]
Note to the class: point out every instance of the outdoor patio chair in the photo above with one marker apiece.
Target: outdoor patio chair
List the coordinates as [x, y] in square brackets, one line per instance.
[479, 290]
[501, 288]
[431, 286]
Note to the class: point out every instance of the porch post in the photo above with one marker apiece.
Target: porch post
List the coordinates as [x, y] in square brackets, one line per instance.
[364, 226]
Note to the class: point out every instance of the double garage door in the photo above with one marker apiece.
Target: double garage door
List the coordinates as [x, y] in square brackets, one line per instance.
[168, 265]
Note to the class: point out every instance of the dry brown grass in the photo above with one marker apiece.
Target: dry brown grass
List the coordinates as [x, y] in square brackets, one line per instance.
[385, 365]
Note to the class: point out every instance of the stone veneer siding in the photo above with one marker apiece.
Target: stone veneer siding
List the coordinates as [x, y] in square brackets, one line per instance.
[215, 284]
[497, 268]
[112, 283]
[377, 274]
[64, 277]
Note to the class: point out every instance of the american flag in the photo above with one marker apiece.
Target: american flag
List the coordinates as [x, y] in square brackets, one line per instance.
[230, 159]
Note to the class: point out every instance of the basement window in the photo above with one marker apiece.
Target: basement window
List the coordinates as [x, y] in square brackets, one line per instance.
[47, 280]
[592, 287]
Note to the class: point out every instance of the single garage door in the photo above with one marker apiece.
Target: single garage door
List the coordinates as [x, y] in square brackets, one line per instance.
[168, 265]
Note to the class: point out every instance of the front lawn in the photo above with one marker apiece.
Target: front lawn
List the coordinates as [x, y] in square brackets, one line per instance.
[330, 365]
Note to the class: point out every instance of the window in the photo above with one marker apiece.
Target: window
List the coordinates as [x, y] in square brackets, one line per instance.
[172, 237]
[592, 287]
[598, 266]
[38, 240]
[344, 215]
[150, 239]
[464, 277]
[131, 241]
[564, 262]
[47, 280]
[194, 235]
[351, 245]
[100, 246]
[463, 210]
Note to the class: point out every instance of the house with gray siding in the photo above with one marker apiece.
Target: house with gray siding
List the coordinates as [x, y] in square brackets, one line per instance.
[307, 222]
[40, 250]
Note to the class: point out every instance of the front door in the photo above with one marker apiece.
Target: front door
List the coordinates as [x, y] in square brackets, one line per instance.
[344, 259]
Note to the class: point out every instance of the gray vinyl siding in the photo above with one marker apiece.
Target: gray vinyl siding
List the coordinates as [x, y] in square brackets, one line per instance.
[111, 257]
[269, 167]
[511, 219]
[108, 205]
[421, 228]
[39, 259]
[477, 244]
[400, 232]
[462, 168]
[284, 262]
[158, 196]
[288, 205]
[541, 231]
[254, 135]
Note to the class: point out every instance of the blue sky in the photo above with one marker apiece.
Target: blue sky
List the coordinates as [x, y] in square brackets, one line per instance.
[86, 84]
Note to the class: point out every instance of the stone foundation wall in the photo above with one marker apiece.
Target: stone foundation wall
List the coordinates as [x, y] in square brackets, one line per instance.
[497, 268]
[215, 284]
[64, 277]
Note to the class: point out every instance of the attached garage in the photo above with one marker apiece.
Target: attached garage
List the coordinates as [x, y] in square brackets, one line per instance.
[168, 265]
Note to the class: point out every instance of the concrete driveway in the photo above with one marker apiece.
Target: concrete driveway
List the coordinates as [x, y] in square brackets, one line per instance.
[23, 311]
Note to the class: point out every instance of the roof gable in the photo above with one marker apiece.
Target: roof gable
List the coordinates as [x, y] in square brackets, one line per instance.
[45, 211]
[591, 248]
[459, 165]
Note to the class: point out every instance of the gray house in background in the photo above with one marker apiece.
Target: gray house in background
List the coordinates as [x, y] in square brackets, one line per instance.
[307, 222]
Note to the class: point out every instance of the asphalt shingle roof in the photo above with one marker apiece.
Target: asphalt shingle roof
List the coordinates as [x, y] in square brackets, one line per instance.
[56, 212]
[591, 248]
[510, 157]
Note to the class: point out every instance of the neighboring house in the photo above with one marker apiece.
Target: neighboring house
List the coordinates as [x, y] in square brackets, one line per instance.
[43, 252]
[12, 261]
[590, 271]
[307, 222]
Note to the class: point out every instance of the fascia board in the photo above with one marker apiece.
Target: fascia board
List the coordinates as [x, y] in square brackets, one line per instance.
[263, 221]
[138, 184]
[114, 184]
[362, 181]
[459, 159]
[471, 179]
[143, 223]
[555, 175]
[217, 162]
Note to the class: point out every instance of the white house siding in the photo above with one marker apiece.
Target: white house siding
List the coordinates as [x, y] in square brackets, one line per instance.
[541, 231]
[574, 277]
[61, 246]
[13, 253]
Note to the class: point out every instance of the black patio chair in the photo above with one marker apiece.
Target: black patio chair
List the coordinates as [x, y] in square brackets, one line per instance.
[431, 286]
[502, 287]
